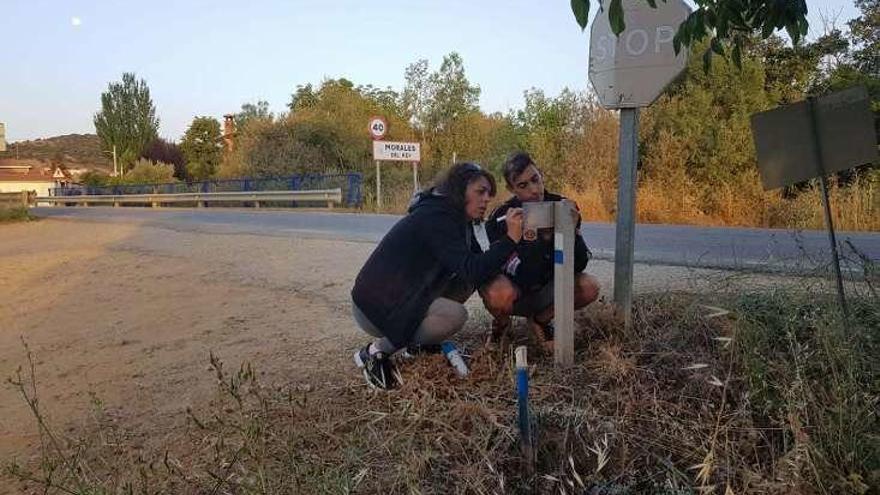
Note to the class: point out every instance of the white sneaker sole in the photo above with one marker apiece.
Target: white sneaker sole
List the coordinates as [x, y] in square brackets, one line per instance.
[363, 367]
[357, 359]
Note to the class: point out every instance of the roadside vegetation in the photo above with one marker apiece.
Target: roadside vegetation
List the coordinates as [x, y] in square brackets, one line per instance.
[16, 214]
[697, 158]
[765, 391]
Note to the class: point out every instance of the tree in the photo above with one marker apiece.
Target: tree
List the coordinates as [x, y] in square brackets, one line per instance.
[443, 107]
[452, 95]
[696, 144]
[127, 119]
[94, 178]
[856, 63]
[303, 97]
[250, 112]
[386, 99]
[724, 22]
[549, 126]
[295, 147]
[791, 72]
[863, 66]
[416, 97]
[161, 151]
[865, 31]
[326, 130]
[433, 100]
[148, 172]
[202, 146]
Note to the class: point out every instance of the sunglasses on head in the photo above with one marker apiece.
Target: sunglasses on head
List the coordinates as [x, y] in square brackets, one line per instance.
[471, 167]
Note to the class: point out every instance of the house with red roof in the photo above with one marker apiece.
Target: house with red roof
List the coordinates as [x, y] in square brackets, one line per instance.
[31, 175]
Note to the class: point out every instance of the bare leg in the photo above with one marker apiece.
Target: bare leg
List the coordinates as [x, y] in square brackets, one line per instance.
[499, 296]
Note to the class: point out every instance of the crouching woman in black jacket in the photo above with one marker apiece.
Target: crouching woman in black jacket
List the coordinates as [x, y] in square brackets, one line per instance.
[411, 289]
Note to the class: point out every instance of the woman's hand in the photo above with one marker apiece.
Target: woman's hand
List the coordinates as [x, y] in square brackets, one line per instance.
[514, 224]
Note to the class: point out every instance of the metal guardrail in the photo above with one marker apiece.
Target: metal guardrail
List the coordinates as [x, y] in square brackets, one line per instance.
[16, 199]
[350, 183]
[328, 196]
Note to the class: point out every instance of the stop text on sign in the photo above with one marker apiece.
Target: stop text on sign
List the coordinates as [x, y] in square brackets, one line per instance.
[635, 43]
[631, 70]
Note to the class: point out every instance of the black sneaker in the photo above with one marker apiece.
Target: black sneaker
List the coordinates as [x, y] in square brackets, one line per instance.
[544, 332]
[379, 371]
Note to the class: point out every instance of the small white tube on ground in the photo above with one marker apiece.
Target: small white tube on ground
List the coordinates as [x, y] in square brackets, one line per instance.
[455, 359]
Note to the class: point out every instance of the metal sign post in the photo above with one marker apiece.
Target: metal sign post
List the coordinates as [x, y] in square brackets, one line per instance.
[826, 203]
[378, 186]
[378, 127]
[415, 166]
[391, 151]
[624, 245]
[811, 139]
[396, 152]
[628, 72]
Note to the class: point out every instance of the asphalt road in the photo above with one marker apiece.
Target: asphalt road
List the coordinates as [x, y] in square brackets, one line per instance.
[708, 247]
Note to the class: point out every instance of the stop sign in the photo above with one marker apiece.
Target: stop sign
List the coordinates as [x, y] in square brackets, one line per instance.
[632, 70]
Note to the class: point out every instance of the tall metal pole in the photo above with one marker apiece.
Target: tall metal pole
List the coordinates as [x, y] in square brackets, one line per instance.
[829, 222]
[624, 246]
[378, 186]
[415, 166]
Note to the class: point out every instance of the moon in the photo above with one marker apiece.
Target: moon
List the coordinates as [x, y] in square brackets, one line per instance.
[75, 21]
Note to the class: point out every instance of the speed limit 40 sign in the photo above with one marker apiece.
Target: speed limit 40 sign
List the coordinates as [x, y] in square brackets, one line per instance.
[378, 128]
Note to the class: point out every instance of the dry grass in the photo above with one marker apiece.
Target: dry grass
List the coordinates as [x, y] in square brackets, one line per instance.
[776, 397]
[854, 208]
[18, 214]
[674, 200]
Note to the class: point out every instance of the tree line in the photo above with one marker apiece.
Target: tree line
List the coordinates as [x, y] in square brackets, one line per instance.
[697, 159]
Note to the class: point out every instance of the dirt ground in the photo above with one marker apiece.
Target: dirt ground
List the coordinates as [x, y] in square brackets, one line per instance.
[123, 316]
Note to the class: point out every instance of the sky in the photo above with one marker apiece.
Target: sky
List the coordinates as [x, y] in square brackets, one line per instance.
[207, 57]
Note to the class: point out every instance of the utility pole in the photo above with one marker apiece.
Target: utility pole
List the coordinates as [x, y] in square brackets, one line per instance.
[115, 170]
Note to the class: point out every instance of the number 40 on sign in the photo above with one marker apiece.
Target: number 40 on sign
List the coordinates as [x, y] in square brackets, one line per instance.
[378, 128]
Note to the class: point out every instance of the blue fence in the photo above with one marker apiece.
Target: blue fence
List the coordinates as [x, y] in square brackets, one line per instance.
[351, 185]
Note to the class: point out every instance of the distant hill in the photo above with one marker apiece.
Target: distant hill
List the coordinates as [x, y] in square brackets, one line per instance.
[72, 150]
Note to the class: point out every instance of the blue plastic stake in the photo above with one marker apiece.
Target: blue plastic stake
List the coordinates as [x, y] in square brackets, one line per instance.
[525, 424]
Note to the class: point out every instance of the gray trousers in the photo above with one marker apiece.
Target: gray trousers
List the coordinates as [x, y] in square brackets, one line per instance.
[445, 317]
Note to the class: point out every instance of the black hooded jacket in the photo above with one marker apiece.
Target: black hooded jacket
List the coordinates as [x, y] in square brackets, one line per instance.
[415, 261]
[536, 267]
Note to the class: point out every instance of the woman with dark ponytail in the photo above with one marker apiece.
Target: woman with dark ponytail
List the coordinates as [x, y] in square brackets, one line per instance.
[411, 290]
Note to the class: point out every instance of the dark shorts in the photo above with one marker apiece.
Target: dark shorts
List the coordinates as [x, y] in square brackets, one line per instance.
[458, 290]
[527, 304]
[531, 302]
